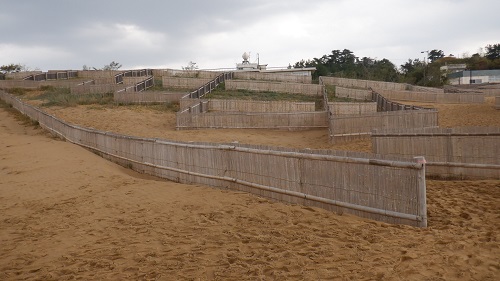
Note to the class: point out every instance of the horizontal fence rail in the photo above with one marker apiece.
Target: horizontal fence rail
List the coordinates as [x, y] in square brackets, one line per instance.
[385, 190]
[351, 127]
[468, 152]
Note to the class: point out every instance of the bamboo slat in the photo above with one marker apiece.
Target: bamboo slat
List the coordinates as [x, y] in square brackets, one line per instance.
[457, 153]
[351, 93]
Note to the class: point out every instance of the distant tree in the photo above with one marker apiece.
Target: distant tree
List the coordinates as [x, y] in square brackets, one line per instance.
[10, 68]
[190, 67]
[435, 55]
[384, 70]
[493, 51]
[476, 62]
[112, 66]
[410, 66]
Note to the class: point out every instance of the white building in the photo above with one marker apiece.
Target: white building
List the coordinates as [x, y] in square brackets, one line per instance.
[466, 77]
[245, 65]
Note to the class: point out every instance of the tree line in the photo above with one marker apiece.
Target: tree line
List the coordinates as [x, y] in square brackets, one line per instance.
[343, 63]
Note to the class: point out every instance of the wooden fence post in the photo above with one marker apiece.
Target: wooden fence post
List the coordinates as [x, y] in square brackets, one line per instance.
[422, 192]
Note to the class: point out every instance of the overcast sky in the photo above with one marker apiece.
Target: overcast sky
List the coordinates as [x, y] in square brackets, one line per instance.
[67, 34]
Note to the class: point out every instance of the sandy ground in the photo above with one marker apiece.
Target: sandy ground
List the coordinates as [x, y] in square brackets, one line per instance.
[67, 214]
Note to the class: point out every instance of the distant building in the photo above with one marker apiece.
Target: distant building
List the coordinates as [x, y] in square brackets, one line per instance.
[450, 68]
[245, 65]
[466, 77]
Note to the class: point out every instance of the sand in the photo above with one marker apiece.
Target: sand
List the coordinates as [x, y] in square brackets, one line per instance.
[67, 214]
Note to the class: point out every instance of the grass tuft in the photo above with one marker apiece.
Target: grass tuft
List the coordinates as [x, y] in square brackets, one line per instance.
[63, 97]
[18, 91]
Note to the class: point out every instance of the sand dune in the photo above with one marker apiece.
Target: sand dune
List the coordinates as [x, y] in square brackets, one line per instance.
[67, 214]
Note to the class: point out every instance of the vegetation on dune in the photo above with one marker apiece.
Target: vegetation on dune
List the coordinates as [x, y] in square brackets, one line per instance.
[221, 93]
[63, 97]
[52, 96]
[25, 120]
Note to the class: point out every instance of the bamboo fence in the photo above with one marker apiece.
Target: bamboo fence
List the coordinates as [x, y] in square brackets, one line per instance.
[147, 97]
[190, 73]
[472, 152]
[389, 191]
[98, 73]
[279, 77]
[351, 93]
[352, 108]
[95, 89]
[133, 80]
[262, 86]
[351, 127]
[5, 84]
[327, 108]
[21, 75]
[183, 82]
[259, 106]
[221, 105]
[490, 92]
[431, 96]
[384, 104]
[363, 84]
[248, 120]
[185, 103]
[54, 75]
[367, 84]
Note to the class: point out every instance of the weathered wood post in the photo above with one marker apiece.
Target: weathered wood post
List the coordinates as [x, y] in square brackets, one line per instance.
[421, 192]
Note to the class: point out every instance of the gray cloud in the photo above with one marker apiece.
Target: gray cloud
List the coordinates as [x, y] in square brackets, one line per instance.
[58, 34]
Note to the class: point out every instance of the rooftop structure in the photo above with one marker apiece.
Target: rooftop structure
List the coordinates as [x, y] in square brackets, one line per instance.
[246, 65]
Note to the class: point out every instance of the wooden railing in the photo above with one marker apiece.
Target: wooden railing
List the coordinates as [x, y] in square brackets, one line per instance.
[203, 90]
[132, 73]
[59, 75]
[140, 86]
